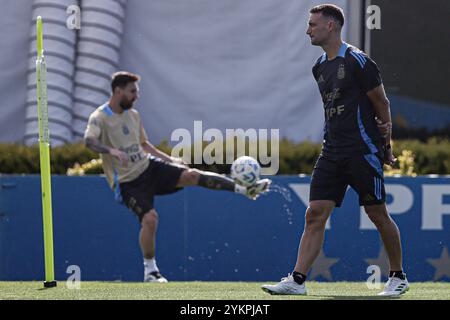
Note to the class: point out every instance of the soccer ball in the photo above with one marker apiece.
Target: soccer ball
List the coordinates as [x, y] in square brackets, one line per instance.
[245, 171]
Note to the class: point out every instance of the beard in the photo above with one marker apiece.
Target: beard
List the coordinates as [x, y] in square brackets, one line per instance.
[126, 104]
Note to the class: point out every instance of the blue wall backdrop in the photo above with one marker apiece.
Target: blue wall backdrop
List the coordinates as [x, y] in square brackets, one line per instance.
[218, 236]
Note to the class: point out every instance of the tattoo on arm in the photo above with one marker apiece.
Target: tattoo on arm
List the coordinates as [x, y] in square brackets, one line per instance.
[96, 146]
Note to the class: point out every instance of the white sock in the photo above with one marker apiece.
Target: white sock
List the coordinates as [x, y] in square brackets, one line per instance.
[240, 189]
[150, 265]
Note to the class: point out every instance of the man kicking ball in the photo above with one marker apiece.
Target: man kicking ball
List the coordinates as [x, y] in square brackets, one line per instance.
[137, 171]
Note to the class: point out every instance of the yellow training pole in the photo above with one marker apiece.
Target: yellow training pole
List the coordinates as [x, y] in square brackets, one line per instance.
[44, 151]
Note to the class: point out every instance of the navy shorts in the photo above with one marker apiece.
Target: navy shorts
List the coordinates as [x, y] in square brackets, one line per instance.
[159, 178]
[364, 173]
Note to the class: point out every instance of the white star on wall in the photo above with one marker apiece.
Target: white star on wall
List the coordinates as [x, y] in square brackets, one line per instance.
[321, 266]
[442, 265]
[381, 261]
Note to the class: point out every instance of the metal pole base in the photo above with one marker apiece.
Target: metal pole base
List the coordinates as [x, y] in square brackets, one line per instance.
[50, 284]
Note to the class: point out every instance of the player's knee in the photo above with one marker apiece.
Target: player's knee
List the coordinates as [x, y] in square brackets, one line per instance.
[150, 219]
[316, 216]
[377, 214]
[190, 177]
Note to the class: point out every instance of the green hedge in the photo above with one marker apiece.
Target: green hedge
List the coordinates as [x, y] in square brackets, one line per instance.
[25, 160]
[431, 157]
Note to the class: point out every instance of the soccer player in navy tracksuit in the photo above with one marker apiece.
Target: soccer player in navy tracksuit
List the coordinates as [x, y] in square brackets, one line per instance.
[357, 135]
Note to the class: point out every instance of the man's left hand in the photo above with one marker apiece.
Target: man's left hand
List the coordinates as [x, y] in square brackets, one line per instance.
[384, 128]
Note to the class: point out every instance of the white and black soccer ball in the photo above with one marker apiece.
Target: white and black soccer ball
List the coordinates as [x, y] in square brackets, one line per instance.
[245, 171]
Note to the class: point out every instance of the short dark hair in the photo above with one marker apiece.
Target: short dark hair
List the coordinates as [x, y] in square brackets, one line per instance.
[331, 11]
[122, 78]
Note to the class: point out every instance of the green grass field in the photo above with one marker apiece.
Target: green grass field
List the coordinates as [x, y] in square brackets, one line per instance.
[208, 291]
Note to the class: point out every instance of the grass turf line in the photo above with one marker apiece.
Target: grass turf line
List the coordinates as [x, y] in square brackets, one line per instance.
[209, 291]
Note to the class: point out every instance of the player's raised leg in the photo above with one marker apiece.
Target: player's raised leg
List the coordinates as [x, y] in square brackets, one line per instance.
[211, 180]
[397, 283]
[147, 239]
[311, 242]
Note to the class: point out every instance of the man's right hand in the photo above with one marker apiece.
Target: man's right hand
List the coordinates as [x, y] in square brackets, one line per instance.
[389, 157]
[119, 155]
